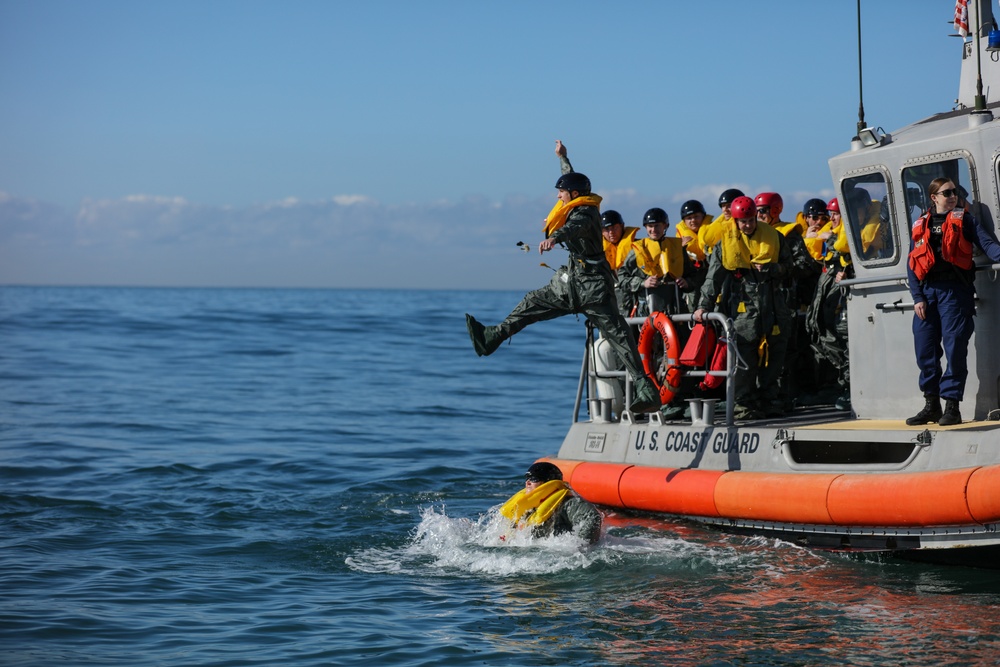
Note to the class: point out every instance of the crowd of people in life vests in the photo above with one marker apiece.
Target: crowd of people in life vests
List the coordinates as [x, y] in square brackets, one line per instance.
[776, 279]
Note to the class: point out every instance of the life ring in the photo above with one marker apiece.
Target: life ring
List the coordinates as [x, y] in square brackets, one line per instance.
[658, 331]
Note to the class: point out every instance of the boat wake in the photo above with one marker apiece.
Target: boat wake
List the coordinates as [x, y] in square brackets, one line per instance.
[487, 546]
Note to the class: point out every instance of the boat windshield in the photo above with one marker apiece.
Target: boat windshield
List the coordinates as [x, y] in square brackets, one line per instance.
[869, 210]
[919, 177]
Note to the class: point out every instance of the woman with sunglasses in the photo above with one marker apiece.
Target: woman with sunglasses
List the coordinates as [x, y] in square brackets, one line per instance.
[941, 273]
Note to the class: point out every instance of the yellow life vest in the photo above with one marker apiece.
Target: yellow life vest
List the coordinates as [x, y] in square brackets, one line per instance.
[840, 245]
[787, 228]
[660, 258]
[535, 508]
[740, 251]
[814, 244]
[710, 233]
[871, 232]
[693, 247]
[616, 254]
[560, 212]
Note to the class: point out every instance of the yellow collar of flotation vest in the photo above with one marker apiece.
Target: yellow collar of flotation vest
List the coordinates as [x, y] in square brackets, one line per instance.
[694, 245]
[740, 251]
[536, 507]
[616, 253]
[660, 258]
[560, 212]
[787, 228]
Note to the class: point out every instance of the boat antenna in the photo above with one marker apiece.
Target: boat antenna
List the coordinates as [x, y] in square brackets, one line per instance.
[861, 97]
[980, 98]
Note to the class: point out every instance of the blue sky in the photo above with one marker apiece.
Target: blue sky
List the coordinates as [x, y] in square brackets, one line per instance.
[409, 144]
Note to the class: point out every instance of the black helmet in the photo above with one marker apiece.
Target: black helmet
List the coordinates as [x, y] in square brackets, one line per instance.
[858, 198]
[574, 182]
[655, 215]
[729, 195]
[611, 218]
[543, 471]
[814, 207]
[690, 207]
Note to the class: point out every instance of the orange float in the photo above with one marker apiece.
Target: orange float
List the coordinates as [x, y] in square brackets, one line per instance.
[687, 492]
[659, 330]
[785, 497]
[901, 499]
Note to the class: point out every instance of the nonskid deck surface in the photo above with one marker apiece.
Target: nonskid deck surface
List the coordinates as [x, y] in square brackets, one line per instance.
[826, 417]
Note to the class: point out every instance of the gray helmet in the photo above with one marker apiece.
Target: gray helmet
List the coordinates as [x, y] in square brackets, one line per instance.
[690, 207]
[611, 218]
[729, 195]
[655, 215]
[543, 471]
[574, 181]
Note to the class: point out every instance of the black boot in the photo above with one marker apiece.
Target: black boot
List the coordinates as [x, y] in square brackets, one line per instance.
[486, 340]
[931, 412]
[951, 414]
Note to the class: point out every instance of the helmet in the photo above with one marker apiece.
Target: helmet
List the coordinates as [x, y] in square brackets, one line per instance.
[690, 207]
[857, 198]
[655, 215]
[771, 200]
[814, 207]
[574, 181]
[610, 218]
[833, 205]
[743, 207]
[543, 471]
[728, 196]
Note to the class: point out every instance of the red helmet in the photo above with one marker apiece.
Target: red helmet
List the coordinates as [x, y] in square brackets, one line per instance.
[772, 200]
[833, 205]
[743, 207]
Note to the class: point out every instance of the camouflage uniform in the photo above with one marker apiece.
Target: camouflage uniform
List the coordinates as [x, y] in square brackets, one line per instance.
[756, 303]
[826, 320]
[584, 285]
[666, 298]
[574, 515]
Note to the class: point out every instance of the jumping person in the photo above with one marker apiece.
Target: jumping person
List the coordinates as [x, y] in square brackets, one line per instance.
[585, 284]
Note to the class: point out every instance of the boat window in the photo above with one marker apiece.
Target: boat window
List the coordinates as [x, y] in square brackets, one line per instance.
[919, 177]
[869, 213]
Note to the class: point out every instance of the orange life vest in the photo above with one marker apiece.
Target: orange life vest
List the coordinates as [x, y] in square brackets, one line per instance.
[955, 248]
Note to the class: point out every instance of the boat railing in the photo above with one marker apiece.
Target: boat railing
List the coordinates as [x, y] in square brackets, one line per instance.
[702, 409]
[901, 278]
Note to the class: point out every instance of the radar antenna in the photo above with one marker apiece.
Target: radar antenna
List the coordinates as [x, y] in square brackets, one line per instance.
[861, 97]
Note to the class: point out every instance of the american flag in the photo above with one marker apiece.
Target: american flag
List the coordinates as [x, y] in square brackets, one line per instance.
[962, 17]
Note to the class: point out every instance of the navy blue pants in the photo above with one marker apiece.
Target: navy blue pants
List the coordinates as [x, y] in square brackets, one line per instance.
[948, 328]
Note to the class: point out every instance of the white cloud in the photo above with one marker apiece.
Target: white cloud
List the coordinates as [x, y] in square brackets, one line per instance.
[344, 241]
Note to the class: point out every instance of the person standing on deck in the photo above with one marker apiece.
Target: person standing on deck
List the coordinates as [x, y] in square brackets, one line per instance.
[710, 232]
[826, 318]
[585, 284]
[748, 266]
[941, 273]
[655, 271]
[693, 217]
[798, 286]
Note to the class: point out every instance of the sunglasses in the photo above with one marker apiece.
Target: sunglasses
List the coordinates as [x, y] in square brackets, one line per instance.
[763, 210]
[815, 217]
[947, 194]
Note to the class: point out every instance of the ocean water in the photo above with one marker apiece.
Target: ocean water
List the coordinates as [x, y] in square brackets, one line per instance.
[310, 477]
